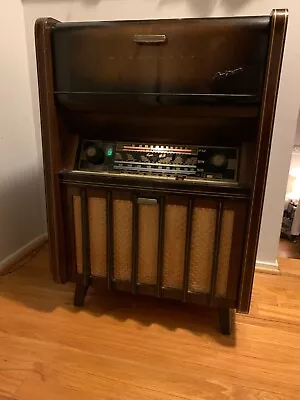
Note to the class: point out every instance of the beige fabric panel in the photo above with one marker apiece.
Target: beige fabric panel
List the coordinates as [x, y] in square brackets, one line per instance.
[174, 245]
[78, 232]
[122, 215]
[225, 251]
[202, 247]
[97, 229]
[148, 243]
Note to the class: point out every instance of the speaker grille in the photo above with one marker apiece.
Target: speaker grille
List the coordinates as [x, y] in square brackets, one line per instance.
[224, 252]
[97, 231]
[192, 253]
[174, 245]
[122, 228]
[148, 243]
[202, 246]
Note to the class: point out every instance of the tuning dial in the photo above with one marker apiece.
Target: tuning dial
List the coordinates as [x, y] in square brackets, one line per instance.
[94, 154]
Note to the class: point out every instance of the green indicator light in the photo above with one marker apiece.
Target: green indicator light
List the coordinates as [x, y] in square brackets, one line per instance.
[109, 152]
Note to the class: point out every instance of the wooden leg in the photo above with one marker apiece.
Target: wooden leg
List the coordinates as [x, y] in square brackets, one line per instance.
[225, 320]
[80, 291]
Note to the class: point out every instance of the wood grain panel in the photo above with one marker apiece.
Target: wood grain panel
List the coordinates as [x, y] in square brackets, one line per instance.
[52, 134]
[278, 28]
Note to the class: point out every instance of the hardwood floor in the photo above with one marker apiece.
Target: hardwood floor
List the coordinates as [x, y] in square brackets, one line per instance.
[288, 249]
[124, 348]
[289, 266]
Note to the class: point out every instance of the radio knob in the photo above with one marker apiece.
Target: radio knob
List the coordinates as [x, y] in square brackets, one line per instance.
[219, 161]
[94, 154]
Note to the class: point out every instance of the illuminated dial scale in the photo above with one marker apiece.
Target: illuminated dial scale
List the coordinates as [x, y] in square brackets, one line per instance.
[155, 159]
[159, 160]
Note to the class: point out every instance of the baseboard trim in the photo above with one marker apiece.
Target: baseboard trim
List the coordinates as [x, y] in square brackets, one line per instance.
[267, 268]
[12, 259]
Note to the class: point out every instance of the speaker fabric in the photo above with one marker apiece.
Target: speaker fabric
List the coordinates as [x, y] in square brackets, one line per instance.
[174, 235]
[122, 239]
[97, 233]
[202, 247]
[148, 243]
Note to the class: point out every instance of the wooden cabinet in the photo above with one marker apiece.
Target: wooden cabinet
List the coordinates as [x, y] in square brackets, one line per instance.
[194, 82]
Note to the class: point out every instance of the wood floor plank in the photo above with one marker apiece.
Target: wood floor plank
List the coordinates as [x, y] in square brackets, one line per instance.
[290, 266]
[12, 375]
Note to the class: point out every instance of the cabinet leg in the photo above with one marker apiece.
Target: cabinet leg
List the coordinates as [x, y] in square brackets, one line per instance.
[225, 320]
[80, 291]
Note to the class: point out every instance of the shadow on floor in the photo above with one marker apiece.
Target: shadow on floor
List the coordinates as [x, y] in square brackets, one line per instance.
[31, 284]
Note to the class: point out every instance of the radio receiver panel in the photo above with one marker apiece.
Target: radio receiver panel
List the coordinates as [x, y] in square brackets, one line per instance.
[159, 160]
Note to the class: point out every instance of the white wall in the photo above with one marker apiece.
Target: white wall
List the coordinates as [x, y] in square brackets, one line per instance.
[289, 99]
[21, 210]
[293, 186]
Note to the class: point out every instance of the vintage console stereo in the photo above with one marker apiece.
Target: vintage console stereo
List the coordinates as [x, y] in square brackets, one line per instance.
[156, 139]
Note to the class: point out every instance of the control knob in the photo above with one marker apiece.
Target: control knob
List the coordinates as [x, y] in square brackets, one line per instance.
[219, 161]
[94, 154]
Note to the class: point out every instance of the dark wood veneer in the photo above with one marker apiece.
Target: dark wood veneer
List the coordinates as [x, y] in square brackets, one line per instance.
[276, 45]
[51, 139]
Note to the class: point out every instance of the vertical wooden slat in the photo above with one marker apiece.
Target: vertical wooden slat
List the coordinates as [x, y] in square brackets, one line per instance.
[85, 237]
[216, 251]
[69, 193]
[187, 250]
[78, 232]
[109, 239]
[160, 253]
[135, 228]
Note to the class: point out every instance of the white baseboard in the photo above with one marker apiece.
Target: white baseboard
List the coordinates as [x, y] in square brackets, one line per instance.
[267, 268]
[22, 252]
